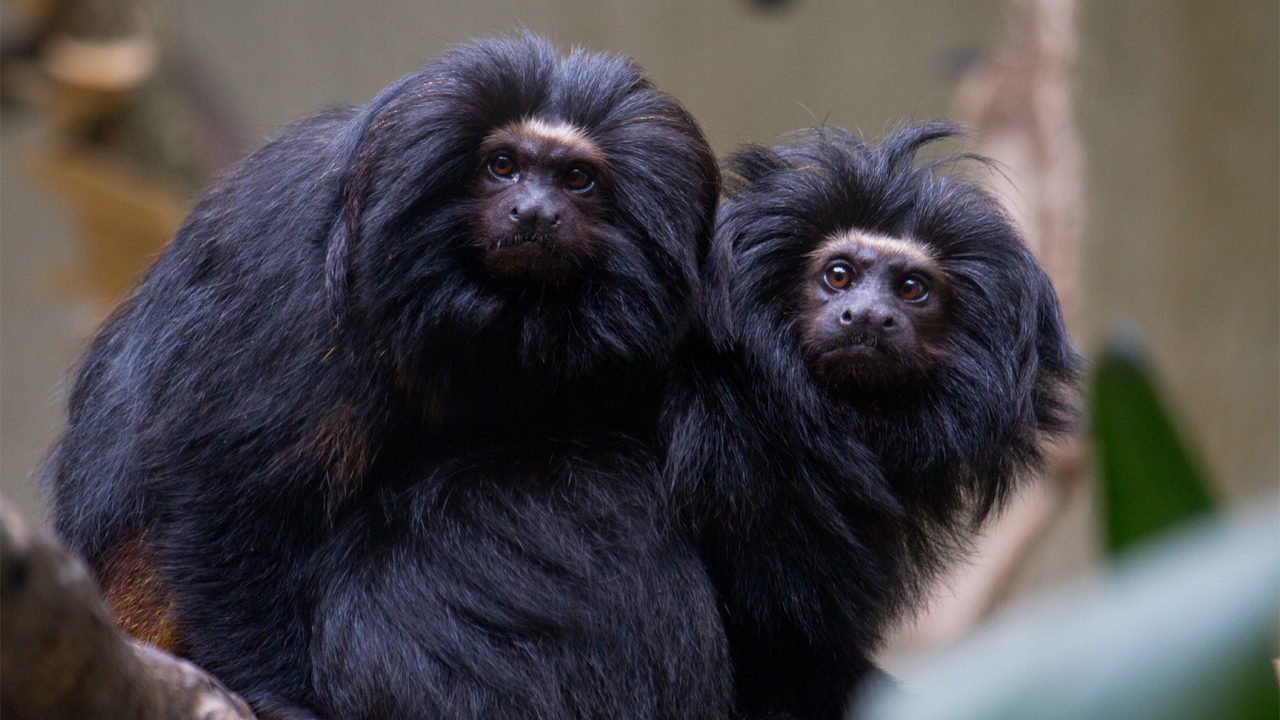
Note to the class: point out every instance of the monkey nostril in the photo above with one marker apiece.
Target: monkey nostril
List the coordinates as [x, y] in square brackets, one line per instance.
[846, 317]
[888, 322]
[515, 213]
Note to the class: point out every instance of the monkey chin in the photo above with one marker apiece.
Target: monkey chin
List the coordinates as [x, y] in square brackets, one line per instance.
[862, 367]
[531, 260]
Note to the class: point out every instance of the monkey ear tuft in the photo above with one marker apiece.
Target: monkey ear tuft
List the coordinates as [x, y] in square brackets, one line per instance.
[347, 149]
[900, 146]
[720, 273]
[336, 272]
[747, 165]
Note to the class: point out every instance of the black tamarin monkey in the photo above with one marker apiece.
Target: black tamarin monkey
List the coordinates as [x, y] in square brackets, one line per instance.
[498, 251]
[881, 357]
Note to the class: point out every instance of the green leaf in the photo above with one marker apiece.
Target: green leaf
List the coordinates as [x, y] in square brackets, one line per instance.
[1183, 628]
[1148, 478]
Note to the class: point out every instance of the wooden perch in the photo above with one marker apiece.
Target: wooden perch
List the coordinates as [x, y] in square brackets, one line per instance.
[1019, 102]
[1022, 103]
[61, 656]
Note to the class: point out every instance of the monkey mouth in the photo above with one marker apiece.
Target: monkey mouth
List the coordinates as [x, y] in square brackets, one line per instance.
[864, 365]
[835, 349]
[528, 258]
[853, 348]
[861, 355]
[857, 342]
[546, 240]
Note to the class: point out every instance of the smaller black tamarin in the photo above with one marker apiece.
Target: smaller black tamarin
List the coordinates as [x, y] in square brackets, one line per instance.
[880, 359]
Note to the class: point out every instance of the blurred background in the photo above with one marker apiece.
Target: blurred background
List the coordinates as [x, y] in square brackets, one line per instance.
[116, 112]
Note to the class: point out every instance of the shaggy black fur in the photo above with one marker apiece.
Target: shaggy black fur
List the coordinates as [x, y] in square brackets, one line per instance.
[539, 581]
[323, 315]
[822, 508]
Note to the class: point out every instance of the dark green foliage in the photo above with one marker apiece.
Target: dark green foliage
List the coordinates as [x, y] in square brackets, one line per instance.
[1257, 695]
[1149, 480]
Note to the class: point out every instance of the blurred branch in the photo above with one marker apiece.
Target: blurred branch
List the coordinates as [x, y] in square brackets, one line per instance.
[1019, 101]
[61, 656]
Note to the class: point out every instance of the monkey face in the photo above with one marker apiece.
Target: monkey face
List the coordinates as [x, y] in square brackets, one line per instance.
[541, 194]
[550, 210]
[874, 308]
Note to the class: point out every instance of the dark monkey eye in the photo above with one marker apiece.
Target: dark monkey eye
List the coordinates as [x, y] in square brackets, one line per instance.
[913, 289]
[838, 276]
[503, 167]
[578, 178]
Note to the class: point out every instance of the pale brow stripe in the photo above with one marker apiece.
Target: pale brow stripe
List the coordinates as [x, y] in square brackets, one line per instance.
[905, 247]
[562, 133]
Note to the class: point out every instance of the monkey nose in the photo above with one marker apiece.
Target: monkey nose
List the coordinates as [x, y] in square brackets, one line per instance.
[865, 320]
[534, 218]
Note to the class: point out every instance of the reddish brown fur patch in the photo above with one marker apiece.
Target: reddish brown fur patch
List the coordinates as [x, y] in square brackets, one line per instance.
[338, 440]
[137, 598]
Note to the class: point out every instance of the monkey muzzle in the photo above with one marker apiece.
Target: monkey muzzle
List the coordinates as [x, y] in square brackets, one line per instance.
[529, 259]
[859, 342]
[859, 329]
[533, 239]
